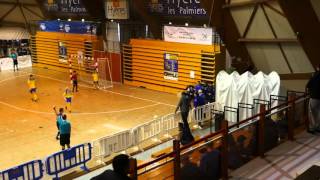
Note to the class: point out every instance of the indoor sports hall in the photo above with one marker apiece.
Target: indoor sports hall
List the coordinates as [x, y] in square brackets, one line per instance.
[159, 89]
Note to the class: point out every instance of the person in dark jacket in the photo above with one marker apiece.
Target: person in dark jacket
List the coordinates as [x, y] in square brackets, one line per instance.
[190, 170]
[184, 106]
[210, 163]
[121, 166]
[313, 87]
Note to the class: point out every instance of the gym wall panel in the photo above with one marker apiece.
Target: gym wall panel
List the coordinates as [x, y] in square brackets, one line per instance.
[268, 57]
[259, 27]
[241, 16]
[143, 64]
[280, 25]
[297, 58]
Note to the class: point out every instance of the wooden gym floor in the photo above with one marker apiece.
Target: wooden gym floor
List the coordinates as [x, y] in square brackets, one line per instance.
[28, 129]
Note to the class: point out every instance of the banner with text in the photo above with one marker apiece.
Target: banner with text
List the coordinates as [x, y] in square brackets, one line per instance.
[65, 7]
[117, 9]
[176, 7]
[171, 66]
[188, 35]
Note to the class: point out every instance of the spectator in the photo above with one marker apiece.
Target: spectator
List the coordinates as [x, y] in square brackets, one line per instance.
[198, 86]
[198, 101]
[210, 93]
[184, 106]
[190, 170]
[210, 162]
[313, 87]
[121, 166]
[65, 132]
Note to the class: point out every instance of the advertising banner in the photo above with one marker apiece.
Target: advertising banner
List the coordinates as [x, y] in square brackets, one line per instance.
[76, 27]
[63, 52]
[188, 35]
[171, 66]
[117, 9]
[176, 8]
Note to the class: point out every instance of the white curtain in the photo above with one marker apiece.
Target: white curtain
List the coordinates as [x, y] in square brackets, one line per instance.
[233, 88]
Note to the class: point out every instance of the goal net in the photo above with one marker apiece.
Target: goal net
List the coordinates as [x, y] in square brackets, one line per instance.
[87, 66]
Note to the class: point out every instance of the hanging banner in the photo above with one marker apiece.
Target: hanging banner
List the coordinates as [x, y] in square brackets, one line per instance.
[117, 9]
[76, 27]
[65, 7]
[171, 66]
[176, 8]
[188, 35]
[62, 52]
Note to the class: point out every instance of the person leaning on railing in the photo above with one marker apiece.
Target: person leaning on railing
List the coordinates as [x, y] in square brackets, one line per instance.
[313, 87]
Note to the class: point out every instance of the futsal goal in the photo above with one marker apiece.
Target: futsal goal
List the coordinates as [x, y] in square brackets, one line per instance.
[87, 66]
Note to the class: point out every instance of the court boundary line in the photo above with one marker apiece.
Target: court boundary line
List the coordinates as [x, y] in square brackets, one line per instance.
[104, 90]
[74, 113]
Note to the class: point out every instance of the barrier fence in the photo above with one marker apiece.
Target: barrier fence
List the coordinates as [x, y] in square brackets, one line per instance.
[153, 129]
[27, 171]
[67, 159]
[251, 135]
[105, 146]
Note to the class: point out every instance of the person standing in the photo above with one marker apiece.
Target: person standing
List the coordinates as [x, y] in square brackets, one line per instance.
[184, 106]
[59, 119]
[313, 87]
[32, 88]
[95, 78]
[74, 78]
[65, 132]
[68, 98]
[14, 57]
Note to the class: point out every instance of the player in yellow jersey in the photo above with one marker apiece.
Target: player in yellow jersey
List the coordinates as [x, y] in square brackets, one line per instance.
[32, 88]
[68, 98]
[95, 79]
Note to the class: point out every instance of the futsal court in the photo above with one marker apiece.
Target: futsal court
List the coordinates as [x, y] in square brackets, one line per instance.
[28, 129]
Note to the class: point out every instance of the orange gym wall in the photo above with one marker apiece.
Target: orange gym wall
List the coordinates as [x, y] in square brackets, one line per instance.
[143, 62]
[46, 49]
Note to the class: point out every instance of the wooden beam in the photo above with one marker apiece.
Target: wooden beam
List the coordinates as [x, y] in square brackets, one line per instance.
[33, 12]
[296, 76]
[274, 9]
[245, 3]
[24, 16]
[44, 11]
[250, 21]
[304, 21]
[259, 40]
[225, 25]
[275, 35]
[13, 3]
[12, 23]
[8, 12]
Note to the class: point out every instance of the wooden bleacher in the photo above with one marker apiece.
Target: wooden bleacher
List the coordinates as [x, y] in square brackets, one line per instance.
[45, 48]
[143, 62]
